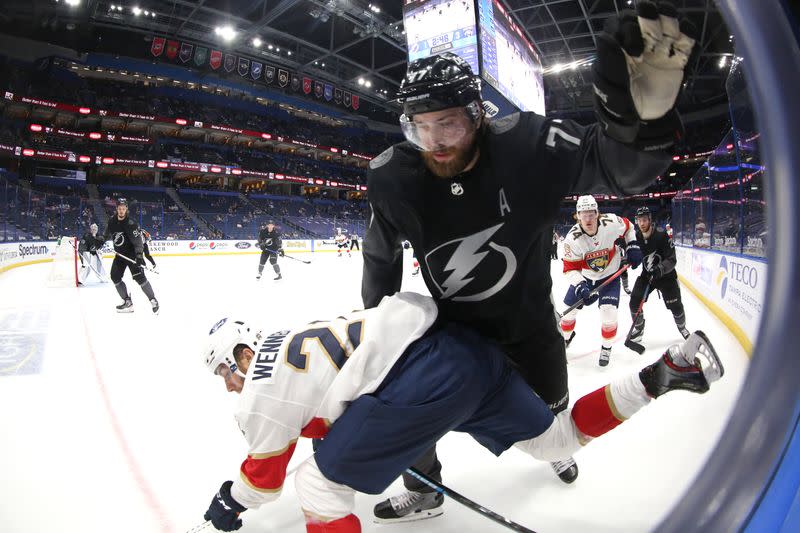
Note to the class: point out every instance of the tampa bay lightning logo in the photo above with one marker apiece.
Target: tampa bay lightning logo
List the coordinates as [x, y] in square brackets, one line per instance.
[119, 239]
[472, 268]
[217, 326]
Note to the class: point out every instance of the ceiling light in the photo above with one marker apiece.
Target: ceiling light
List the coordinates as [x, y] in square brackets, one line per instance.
[256, 42]
[361, 81]
[289, 52]
[226, 32]
[73, 3]
[368, 84]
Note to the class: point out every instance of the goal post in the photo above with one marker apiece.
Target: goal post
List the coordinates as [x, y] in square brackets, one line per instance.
[64, 268]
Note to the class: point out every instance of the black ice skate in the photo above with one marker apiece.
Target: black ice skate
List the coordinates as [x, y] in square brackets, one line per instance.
[690, 366]
[567, 470]
[605, 356]
[276, 278]
[125, 307]
[154, 303]
[258, 276]
[409, 506]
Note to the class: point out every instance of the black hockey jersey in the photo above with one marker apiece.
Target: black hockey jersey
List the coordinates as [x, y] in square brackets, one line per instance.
[125, 235]
[483, 238]
[90, 243]
[269, 240]
[658, 250]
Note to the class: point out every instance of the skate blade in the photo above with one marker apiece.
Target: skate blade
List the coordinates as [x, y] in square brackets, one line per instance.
[124, 310]
[705, 356]
[413, 517]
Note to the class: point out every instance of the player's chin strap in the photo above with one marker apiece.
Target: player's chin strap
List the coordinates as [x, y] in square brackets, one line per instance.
[608, 280]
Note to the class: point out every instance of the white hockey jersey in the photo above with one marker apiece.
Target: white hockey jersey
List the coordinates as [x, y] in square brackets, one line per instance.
[595, 257]
[301, 381]
[341, 239]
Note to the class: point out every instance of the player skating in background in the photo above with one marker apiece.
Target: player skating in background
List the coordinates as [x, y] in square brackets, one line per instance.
[382, 386]
[269, 240]
[658, 274]
[146, 239]
[91, 260]
[590, 257]
[127, 240]
[341, 242]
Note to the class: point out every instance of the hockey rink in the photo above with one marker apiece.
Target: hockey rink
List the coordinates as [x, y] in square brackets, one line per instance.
[111, 422]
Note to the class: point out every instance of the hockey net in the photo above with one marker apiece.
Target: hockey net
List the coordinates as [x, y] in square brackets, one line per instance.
[64, 268]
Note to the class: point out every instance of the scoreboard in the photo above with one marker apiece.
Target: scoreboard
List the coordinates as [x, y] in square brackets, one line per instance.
[436, 26]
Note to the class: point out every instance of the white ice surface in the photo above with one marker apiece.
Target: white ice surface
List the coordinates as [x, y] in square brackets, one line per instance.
[122, 429]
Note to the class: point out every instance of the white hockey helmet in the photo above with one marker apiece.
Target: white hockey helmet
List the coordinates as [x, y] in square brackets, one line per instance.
[93, 228]
[224, 336]
[586, 203]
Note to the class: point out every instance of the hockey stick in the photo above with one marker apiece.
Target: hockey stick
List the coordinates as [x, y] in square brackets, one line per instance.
[288, 256]
[579, 303]
[466, 502]
[129, 260]
[629, 343]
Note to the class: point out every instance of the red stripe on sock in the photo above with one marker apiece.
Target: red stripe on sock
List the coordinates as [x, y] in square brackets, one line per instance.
[594, 413]
[609, 332]
[567, 325]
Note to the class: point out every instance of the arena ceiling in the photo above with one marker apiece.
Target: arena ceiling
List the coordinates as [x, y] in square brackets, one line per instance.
[350, 42]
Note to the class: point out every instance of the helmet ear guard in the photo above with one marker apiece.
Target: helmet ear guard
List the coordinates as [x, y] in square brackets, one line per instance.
[224, 336]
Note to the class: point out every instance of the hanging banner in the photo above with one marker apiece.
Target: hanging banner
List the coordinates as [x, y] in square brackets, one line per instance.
[256, 69]
[328, 92]
[269, 74]
[244, 66]
[172, 49]
[283, 77]
[186, 52]
[307, 85]
[216, 59]
[318, 89]
[295, 82]
[337, 96]
[354, 101]
[158, 46]
[200, 56]
[347, 96]
[230, 62]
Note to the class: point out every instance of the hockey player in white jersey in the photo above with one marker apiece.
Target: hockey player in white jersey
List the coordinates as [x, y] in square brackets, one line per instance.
[590, 257]
[342, 242]
[382, 386]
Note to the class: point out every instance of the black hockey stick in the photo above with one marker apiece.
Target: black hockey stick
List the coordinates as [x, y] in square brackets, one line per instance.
[466, 502]
[288, 256]
[579, 303]
[129, 260]
[629, 343]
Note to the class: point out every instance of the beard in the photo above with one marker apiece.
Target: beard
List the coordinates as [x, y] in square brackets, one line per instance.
[449, 169]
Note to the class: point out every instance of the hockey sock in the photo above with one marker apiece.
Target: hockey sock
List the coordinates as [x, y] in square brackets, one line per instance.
[144, 283]
[260, 268]
[604, 409]
[276, 268]
[348, 524]
[122, 290]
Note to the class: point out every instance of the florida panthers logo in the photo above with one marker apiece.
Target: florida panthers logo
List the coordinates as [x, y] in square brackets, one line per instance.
[472, 268]
[598, 261]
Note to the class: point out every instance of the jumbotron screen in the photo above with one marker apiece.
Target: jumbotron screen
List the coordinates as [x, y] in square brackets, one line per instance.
[436, 26]
[508, 60]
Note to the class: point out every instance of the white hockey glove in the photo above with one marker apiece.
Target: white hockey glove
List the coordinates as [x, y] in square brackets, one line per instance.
[639, 73]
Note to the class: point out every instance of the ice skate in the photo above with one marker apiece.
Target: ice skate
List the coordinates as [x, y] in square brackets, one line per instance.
[125, 307]
[409, 506]
[690, 366]
[155, 305]
[566, 470]
[258, 276]
[605, 356]
[276, 278]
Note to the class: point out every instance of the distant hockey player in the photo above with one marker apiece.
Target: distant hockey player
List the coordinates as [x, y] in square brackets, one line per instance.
[127, 239]
[269, 240]
[590, 256]
[354, 245]
[341, 242]
[382, 386]
[623, 279]
[658, 273]
[554, 245]
[91, 260]
[146, 239]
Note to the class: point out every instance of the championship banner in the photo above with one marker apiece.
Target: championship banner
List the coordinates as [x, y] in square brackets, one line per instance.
[347, 99]
[230, 62]
[216, 59]
[269, 74]
[337, 96]
[200, 56]
[328, 92]
[283, 77]
[158, 46]
[256, 69]
[172, 49]
[307, 85]
[354, 101]
[186, 52]
[295, 82]
[318, 89]
[244, 66]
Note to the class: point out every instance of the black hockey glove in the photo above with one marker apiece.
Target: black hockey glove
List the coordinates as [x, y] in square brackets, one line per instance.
[281, 252]
[639, 73]
[224, 510]
[140, 259]
[633, 255]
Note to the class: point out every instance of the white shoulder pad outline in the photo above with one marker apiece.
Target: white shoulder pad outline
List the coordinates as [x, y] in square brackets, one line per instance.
[382, 158]
[505, 124]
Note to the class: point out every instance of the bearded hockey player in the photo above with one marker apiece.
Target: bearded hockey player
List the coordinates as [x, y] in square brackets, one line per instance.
[381, 386]
[590, 258]
[478, 198]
